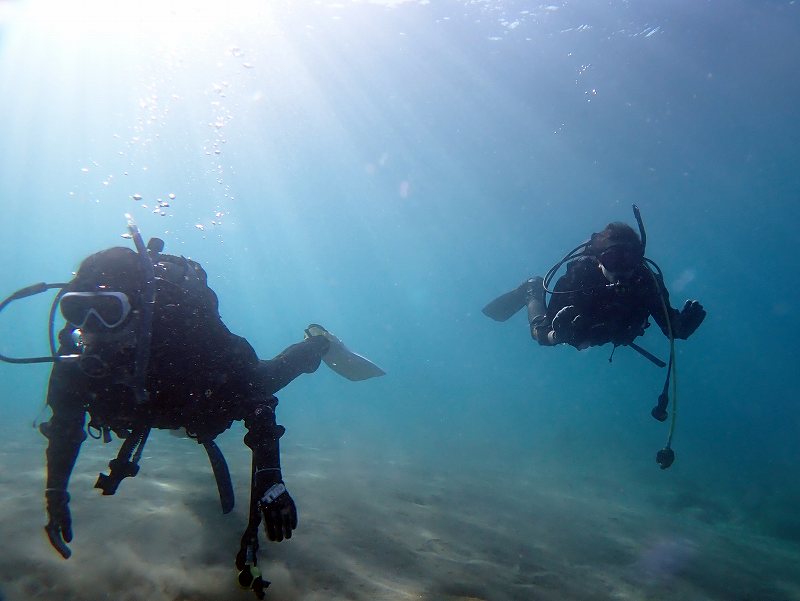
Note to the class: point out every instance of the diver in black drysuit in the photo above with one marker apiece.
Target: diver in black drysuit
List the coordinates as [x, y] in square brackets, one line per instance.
[197, 375]
[607, 295]
[586, 311]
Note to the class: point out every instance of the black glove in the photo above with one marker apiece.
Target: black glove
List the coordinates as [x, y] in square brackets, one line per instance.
[59, 526]
[689, 319]
[280, 513]
[567, 323]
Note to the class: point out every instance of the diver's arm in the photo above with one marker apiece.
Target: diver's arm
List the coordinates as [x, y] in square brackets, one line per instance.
[267, 488]
[657, 302]
[562, 302]
[681, 323]
[65, 434]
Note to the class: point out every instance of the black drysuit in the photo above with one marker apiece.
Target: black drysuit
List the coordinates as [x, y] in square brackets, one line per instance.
[609, 313]
[200, 377]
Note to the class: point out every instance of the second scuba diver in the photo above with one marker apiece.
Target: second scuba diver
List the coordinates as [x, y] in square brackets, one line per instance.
[608, 294]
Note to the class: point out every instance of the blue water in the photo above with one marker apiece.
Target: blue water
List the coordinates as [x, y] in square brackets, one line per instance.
[387, 168]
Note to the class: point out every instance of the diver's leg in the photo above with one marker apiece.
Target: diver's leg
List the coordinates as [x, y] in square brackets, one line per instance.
[534, 298]
[300, 358]
[537, 311]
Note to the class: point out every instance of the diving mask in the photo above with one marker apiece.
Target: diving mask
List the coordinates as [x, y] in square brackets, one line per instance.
[110, 309]
[620, 258]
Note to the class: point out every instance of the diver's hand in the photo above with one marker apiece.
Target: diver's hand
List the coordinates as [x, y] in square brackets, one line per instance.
[567, 323]
[689, 319]
[280, 513]
[59, 525]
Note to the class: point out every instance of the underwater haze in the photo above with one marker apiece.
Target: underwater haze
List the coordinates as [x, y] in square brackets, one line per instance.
[386, 168]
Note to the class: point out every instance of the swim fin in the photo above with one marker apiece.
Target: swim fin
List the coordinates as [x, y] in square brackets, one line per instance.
[508, 304]
[342, 360]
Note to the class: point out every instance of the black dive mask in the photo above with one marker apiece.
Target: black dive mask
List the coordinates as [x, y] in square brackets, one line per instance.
[88, 310]
[620, 258]
[108, 339]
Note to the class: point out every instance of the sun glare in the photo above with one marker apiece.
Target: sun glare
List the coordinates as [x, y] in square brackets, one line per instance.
[143, 20]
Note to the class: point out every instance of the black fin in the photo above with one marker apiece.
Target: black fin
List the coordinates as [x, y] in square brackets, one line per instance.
[506, 305]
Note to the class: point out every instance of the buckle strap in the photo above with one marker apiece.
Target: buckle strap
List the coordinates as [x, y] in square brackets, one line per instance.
[126, 464]
[221, 474]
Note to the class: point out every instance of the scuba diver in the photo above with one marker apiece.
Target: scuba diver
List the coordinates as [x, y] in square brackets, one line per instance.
[609, 292]
[144, 347]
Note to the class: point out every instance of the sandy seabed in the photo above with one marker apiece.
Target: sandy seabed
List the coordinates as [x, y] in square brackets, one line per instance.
[374, 528]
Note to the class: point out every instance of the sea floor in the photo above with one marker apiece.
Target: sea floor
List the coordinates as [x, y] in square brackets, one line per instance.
[375, 528]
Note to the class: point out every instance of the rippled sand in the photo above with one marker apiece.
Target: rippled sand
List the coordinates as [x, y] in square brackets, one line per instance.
[378, 528]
